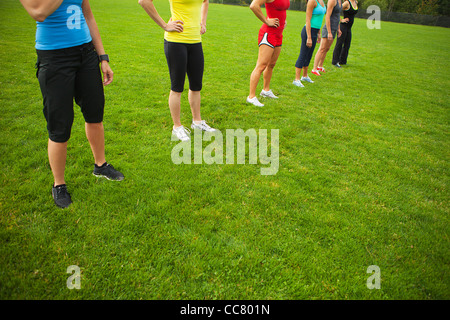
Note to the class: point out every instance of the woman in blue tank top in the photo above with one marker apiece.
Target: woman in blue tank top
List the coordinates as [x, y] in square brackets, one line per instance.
[69, 50]
[315, 11]
[329, 31]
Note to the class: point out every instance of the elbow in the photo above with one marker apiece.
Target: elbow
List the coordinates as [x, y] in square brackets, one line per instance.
[142, 2]
[38, 15]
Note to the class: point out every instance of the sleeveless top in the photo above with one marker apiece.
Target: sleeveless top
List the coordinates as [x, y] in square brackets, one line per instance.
[350, 14]
[188, 11]
[335, 17]
[317, 15]
[64, 28]
[276, 9]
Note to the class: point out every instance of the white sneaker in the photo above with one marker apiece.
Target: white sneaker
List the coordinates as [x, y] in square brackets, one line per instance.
[202, 126]
[307, 79]
[268, 94]
[255, 102]
[298, 83]
[181, 133]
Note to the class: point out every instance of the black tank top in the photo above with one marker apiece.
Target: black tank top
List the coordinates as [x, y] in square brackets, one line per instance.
[350, 14]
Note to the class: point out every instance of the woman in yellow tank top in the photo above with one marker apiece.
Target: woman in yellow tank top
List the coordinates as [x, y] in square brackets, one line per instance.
[184, 54]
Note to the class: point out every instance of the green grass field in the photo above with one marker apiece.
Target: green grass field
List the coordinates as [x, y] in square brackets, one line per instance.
[363, 177]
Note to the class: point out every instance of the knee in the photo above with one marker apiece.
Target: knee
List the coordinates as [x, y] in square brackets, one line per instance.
[262, 66]
[271, 65]
[94, 125]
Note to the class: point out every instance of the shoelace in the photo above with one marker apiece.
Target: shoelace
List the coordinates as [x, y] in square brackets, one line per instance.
[61, 191]
[204, 125]
[183, 131]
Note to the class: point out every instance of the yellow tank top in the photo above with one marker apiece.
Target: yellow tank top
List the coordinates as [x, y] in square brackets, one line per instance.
[188, 11]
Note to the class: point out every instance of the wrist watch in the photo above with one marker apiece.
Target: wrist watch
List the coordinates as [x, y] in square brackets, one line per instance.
[103, 57]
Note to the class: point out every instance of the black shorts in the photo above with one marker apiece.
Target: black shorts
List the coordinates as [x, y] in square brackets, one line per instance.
[182, 59]
[65, 74]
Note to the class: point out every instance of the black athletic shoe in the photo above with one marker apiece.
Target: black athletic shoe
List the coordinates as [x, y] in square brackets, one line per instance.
[107, 171]
[61, 196]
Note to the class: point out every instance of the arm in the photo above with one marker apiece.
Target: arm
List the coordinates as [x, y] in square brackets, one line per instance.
[97, 41]
[39, 10]
[205, 7]
[171, 26]
[345, 7]
[255, 6]
[309, 10]
[330, 6]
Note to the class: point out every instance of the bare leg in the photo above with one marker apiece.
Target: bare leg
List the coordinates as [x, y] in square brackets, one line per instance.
[57, 154]
[174, 106]
[298, 73]
[318, 55]
[326, 47]
[267, 76]
[96, 137]
[264, 57]
[305, 71]
[194, 102]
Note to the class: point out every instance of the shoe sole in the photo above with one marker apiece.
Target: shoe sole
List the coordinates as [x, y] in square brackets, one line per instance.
[62, 207]
[202, 129]
[102, 176]
[264, 96]
[255, 104]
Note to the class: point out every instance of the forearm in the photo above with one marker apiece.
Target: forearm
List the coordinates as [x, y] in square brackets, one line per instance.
[205, 7]
[308, 28]
[93, 28]
[255, 6]
[149, 7]
[39, 10]
[330, 6]
[328, 24]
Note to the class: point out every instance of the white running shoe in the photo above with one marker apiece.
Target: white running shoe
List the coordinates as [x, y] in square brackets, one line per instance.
[298, 83]
[202, 126]
[307, 79]
[268, 94]
[254, 101]
[181, 133]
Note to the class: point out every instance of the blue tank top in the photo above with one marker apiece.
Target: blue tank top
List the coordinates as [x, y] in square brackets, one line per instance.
[317, 15]
[64, 28]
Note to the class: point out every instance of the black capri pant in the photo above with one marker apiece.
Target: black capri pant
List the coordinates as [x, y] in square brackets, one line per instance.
[182, 59]
[306, 53]
[65, 74]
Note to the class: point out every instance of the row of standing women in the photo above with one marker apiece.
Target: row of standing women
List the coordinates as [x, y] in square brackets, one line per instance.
[271, 35]
[72, 59]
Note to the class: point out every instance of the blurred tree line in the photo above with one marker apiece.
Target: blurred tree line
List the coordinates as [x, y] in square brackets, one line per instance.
[429, 7]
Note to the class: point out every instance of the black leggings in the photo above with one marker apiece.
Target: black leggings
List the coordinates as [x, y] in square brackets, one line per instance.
[182, 59]
[340, 53]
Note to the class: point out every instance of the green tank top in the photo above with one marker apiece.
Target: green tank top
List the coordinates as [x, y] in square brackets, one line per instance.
[317, 16]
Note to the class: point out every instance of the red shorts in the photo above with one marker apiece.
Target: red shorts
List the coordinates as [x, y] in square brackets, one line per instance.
[271, 39]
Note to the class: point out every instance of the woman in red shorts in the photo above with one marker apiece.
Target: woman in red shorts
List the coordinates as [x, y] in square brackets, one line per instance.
[270, 40]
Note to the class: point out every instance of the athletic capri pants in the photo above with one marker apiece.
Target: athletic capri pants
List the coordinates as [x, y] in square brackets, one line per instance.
[182, 59]
[65, 74]
[306, 53]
